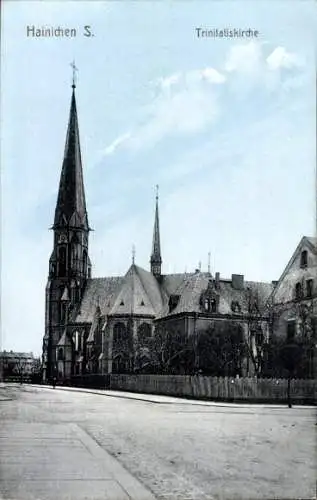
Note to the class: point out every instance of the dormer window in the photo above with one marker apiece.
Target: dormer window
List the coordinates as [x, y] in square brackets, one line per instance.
[121, 303]
[173, 301]
[303, 259]
[235, 307]
[210, 305]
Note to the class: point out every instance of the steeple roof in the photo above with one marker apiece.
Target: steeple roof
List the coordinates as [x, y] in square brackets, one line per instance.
[156, 245]
[71, 205]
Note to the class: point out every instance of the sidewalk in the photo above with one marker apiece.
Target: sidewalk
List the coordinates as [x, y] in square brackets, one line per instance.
[160, 399]
[41, 461]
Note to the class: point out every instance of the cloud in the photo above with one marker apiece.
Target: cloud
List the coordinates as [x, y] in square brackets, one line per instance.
[280, 58]
[109, 150]
[246, 58]
[169, 81]
[187, 102]
[212, 75]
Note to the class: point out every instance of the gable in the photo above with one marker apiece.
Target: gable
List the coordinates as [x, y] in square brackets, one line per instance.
[297, 271]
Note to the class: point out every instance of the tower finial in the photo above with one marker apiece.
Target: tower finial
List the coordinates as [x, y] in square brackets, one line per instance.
[133, 254]
[157, 192]
[74, 73]
[209, 255]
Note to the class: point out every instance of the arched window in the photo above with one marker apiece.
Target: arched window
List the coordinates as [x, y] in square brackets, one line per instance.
[62, 261]
[119, 333]
[85, 262]
[298, 291]
[303, 259]
[60, 354]
[52, 269]
[76, 339]
[74, 256]
[62, 312]
[144, 332]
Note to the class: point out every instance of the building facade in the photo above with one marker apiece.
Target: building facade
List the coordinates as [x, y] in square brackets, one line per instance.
[105, 325]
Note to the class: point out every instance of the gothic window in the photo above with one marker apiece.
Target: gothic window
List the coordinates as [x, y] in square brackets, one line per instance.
[259, 338]
[298, 291]
[52, 269]
[62, 312]
[85, 262]
[290, 330]
[119, 332]
[74, 256]
[62, 261]
[309, 288]
[60, 354]
[76, 340]
[144, 332]
[303, 259]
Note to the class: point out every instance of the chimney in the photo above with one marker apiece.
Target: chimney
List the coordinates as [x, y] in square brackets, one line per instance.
[237, 281]
[217, 280]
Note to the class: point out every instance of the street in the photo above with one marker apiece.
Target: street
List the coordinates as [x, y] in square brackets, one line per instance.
[76, 444]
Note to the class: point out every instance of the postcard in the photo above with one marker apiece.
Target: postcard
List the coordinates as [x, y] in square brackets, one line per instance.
[159, 249]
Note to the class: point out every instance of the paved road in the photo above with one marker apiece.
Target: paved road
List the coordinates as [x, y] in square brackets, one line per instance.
[175, 449]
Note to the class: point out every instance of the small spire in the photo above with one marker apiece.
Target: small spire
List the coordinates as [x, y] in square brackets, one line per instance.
[156, 259]
[74, 73]
[209, 255]
[199, 265]
[133, 254]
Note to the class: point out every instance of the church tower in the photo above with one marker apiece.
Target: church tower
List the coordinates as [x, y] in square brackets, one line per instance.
[156, 259]
[69, 264]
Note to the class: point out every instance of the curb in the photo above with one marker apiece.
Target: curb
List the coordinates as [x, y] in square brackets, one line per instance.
[178, 401]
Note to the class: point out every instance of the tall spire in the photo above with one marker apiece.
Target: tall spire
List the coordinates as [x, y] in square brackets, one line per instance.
[156, 259]
[71, 205]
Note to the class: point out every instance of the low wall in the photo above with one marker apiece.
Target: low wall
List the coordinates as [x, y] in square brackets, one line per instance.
[222, 388]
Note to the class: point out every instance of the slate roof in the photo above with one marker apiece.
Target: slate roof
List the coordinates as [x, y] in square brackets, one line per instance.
[193, 285]
[140, 293]
[102, 291]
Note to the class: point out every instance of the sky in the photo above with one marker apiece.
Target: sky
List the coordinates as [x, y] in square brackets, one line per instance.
[225, 127]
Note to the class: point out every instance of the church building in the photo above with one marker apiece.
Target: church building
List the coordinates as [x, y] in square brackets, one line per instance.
[93, 325]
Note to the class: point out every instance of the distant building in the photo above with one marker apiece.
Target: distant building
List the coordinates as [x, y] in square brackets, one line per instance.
[15, 364]
[96, 324]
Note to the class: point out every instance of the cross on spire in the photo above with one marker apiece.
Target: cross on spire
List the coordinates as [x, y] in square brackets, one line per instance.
[74, 73]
